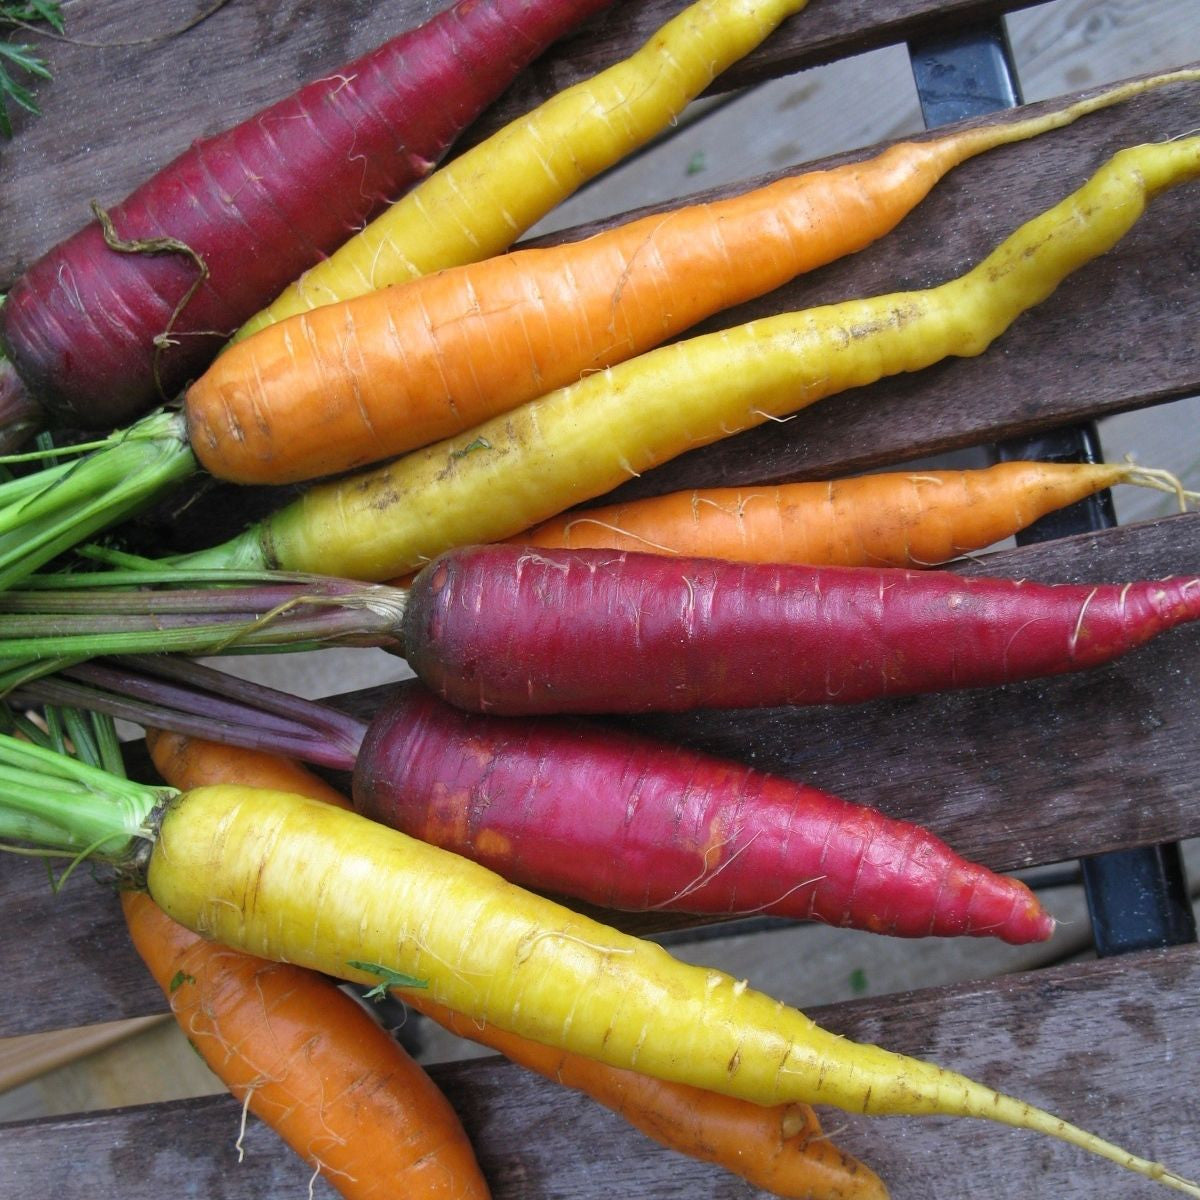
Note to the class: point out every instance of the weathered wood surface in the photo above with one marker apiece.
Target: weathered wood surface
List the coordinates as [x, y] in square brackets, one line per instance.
[1016, 777]
[1122, 1066]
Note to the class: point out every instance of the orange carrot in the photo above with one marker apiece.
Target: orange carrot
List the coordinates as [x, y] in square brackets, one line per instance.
[300, 1053]
[780, 1148]
[392, 370]
[898, 519]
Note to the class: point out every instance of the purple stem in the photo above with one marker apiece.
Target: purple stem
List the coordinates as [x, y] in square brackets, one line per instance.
[186, 697]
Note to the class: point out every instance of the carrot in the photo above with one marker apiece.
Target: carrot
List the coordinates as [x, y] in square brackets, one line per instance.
[627, 822]
[480, 203]
[382, 374]
[301, 1054]
[311, 1062]
[95, 335]
[190, 762]
[891, 519]
[779, 1149]
[509, 629]
[612, 818]
[292, 879]
[580, 441]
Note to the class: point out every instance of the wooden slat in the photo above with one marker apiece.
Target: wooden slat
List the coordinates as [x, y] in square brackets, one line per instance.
[1019, 776]
[1111, 1042]
[25, 1058]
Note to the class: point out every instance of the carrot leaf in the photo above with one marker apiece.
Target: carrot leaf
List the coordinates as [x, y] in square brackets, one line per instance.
[387, 979]
[57, 803]
[18, 58]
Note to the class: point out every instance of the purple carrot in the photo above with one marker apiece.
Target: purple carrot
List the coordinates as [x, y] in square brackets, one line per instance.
[587, 811]
[510, 629]
[95, 336]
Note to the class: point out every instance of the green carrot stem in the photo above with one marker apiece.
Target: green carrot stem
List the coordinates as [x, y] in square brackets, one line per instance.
[250, 550]
[51, 627]
[59, 804]
[47, 512]
[13, 675]
[131, 570]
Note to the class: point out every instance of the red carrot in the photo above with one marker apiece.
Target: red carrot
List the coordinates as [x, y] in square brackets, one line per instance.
[630, 823]
[511, 629]
[97, 335]
[606, 816]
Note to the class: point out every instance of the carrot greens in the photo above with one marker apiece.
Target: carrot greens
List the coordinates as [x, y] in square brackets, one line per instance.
[19, 59]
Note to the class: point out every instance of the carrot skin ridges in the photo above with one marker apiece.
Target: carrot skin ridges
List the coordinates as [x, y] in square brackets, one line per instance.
[220, 996]
[581, 441]
[481, 202]
[629, 823]
[292, 879]
[432, 357]
[308, 1060]
[516, 630]
[80, 325]
[405, 366]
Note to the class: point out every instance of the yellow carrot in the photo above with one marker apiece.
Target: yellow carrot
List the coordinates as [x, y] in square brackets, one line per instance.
[578, 442]
[781, 1149]
[482, 201]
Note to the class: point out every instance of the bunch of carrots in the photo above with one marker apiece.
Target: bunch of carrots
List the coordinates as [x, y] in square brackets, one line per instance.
[420, 351]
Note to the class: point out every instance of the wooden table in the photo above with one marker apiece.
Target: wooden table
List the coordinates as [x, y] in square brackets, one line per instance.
[1018, 777]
